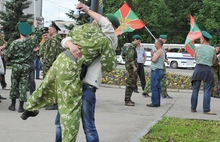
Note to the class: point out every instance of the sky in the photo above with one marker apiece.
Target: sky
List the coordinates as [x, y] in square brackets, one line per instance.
[56, 9]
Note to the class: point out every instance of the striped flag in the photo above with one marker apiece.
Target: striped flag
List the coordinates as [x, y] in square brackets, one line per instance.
[194, 34]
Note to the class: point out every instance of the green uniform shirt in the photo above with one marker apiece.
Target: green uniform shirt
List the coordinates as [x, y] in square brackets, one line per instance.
[52, 50]
[94, 44]
[130, 56]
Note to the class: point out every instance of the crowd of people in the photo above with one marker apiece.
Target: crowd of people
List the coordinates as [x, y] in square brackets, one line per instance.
[206, 70]
[83, 55]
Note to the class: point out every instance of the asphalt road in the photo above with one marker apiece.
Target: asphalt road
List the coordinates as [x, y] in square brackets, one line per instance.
[177, 71]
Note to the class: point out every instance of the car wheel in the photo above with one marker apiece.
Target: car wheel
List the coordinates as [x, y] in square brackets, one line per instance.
[174, 64]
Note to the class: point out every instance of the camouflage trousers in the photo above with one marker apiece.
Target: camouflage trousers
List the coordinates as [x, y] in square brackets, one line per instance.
[20, 81]
[61, 85]
[130, 84]
[214, 90]
[163, 88]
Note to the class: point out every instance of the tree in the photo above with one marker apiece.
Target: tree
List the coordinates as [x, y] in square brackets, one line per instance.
[208, 19]
[12, 17]
[83, 18]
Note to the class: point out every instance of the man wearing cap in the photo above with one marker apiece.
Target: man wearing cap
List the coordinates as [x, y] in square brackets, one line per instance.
[141, 59]
[64, 86]
[131, 67]
[20, 53]
[164, 93]
[44, 42]
[205, 57]
[52, 50]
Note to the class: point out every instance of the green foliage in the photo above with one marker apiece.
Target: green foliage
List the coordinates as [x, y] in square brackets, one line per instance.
[12, 17]
[183, 130]
[169, 17]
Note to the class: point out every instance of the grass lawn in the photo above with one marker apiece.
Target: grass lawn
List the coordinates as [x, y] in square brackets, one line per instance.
[171, 129]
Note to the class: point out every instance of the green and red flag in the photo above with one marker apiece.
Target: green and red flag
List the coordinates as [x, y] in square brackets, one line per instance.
[194, 34]
[128, 20]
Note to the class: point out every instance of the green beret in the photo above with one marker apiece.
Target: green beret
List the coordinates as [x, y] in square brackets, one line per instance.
[24, 28]
[113, 19]
[206, 34]
[137, 37]
[163, 36]
[44, 30]
[55, 26]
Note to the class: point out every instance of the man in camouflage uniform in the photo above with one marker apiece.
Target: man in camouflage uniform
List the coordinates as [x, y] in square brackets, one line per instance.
[20, 53]
[216, 70]
[51, 52]
[62, 83]
[3, 45]
[44, 43]
[131, 67]
[164, 93]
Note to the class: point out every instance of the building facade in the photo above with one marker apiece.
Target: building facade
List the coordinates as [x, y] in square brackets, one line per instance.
[37, 4]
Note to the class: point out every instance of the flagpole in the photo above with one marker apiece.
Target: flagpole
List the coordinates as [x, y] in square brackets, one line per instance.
[150, 32]
[34, 10]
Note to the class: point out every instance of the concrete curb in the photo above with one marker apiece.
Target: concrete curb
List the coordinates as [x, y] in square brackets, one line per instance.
[168, 90]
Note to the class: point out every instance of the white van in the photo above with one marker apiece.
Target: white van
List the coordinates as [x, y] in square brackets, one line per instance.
[176, 54]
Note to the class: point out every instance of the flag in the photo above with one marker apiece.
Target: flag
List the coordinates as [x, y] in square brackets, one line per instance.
[128, 20]
[193, 35]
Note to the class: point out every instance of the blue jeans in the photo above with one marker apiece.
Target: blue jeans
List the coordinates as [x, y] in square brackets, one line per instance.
[37, 66]
[156, 77]
[88, 113]
[206, 97]
[58, 128]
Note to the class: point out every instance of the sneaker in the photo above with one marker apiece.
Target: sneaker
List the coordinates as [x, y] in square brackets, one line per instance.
[27, 114]
[193, 110]
[2, 98]
[216, 97]
[53, 107]
[145, 95]
[130, 103]
[209, 113]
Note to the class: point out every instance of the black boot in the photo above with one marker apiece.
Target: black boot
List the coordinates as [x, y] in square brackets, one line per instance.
[21, 109]
[12, 106]
[27, 114]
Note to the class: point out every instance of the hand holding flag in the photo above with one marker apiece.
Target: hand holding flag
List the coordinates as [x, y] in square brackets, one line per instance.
[194, 34]
[128, 20]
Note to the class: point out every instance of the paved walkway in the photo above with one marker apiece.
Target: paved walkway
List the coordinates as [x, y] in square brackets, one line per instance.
[115, 121]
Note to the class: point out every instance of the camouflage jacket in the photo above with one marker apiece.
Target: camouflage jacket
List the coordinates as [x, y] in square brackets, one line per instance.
[51, 50]
[131, 56]
[21, 51]
[94, 44]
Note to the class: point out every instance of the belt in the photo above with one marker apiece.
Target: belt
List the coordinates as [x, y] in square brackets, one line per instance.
[90, 86]
[156, 69]
[70, 55]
